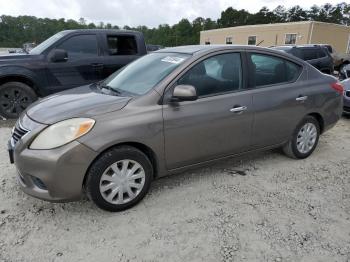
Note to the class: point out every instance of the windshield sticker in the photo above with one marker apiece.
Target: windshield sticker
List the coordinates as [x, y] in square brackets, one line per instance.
[173, 59]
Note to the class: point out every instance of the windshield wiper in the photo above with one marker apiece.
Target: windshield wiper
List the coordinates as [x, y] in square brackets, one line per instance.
[109, 88]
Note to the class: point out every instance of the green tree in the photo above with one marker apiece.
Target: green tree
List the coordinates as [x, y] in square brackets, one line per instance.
[14, 31]
[280, 14]
[232, 17]
[296, 13]
[264, 16]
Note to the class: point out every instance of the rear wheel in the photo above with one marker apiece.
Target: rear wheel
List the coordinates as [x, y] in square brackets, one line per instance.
[119, 179]
[14, 98]
[305, 139]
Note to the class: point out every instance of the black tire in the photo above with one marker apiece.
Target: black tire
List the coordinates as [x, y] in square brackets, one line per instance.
[291, 149]
[14, 98]
[108, 158]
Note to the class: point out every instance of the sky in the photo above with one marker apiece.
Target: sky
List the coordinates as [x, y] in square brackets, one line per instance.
[140, 12]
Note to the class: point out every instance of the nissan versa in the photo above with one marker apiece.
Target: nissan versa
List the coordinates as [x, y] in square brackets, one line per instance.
[167, 111]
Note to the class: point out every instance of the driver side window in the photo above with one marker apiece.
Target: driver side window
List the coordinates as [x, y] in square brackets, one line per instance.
[80, 46]
[215, 75]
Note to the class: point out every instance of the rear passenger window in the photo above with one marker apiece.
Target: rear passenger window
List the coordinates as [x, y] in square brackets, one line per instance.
[270, 70]
[121, 45]
[321, 53]
[292, 71]
[215, 75]
[309, 53]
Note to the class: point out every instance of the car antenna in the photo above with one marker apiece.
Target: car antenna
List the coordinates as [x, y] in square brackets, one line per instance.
[260, 42]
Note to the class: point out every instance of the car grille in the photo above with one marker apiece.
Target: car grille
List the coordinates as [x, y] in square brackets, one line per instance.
[347, 93]
[18, 132]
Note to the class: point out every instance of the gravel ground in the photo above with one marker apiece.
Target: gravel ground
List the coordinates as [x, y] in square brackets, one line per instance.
[260, 207]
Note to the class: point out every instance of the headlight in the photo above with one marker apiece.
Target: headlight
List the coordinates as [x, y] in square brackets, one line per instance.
[62, 133]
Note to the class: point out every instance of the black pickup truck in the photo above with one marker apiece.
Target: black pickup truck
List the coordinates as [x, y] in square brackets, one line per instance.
[68, 59]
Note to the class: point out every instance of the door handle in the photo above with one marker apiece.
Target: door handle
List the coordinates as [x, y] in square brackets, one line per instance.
[238, 109]
[97, 66]
[301, 98]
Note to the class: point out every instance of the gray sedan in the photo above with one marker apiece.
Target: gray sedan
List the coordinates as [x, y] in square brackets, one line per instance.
[168, 111]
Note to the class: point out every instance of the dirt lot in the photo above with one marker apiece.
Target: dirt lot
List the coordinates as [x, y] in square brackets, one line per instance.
[261, 207]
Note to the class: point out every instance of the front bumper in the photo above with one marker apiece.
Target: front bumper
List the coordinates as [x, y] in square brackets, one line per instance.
[55, 175]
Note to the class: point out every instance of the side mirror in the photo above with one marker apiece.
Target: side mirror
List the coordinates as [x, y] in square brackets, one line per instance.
[58, 55]
[184, 93]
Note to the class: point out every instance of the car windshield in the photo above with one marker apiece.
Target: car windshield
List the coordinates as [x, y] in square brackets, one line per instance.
[48, 42]
[142, 75]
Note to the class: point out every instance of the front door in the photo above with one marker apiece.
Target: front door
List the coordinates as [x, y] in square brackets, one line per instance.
[120, 50]
[218, 123]
[82, 66]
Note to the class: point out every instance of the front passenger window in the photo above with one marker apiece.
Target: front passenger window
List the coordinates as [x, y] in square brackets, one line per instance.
[215, 75]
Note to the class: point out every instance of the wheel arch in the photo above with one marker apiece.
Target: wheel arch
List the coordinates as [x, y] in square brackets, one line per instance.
[142, 147]
[319, 119]
[19, 78]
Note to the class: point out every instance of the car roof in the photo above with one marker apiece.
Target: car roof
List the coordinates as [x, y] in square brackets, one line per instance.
[200, 50]
[194, 49]
[282, 47]
[298, 46]
[107, 31]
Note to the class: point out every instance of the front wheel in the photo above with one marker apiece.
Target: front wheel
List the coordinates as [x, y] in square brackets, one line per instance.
[119, 179]
[14, 98]
[305, 139]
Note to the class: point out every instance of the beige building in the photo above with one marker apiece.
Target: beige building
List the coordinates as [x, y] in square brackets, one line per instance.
[298, 33]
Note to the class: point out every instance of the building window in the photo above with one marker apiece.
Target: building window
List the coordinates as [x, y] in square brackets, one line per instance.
[291, 39]
[229, 40]
[252, 40]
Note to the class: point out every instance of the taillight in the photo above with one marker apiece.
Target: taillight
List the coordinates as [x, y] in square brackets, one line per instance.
[338, 87]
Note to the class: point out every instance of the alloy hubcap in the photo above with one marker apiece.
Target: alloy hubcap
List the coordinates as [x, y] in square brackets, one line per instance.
[13, 101]
[306, 138]
[122, 181]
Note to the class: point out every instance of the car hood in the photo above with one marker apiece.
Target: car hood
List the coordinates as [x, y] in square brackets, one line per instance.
[85, 101]
[17, 57]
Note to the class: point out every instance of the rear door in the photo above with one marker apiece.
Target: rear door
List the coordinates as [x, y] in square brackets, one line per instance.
[326, 60]
[310, 55]
[280, 97]
[119, 50]
[80, 68]
[218, 123]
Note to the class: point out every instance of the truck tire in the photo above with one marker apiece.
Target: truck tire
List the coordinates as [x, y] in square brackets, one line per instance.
[14, 98]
